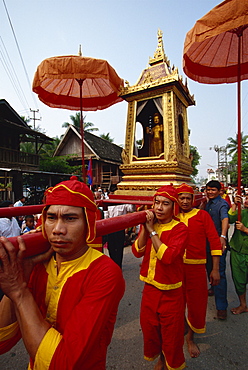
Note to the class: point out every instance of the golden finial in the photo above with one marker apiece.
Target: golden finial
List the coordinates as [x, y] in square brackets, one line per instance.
[159, 55]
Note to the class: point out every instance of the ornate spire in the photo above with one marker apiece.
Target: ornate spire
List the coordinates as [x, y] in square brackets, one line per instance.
[159, 55]
[80, 51]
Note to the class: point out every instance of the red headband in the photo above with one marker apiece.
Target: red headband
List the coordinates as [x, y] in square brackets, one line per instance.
[77, 194]
[185, 188]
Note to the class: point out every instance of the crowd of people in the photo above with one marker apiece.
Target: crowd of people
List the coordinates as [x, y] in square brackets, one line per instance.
[15, 226]
[63, 303]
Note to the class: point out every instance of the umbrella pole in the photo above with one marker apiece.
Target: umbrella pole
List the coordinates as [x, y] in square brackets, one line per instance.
[239, 123]
[80, 82]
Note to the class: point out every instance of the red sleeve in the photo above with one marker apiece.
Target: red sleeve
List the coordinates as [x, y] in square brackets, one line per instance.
[6, 345]
[136, 251]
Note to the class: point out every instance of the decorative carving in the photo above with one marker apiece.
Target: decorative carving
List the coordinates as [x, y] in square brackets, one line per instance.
[125, 157]
[146, 174]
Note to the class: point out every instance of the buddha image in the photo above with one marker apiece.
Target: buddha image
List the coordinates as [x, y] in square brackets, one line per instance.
[156, 140]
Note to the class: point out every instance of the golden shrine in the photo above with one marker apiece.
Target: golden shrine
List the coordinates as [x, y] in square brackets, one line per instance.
[156, 149]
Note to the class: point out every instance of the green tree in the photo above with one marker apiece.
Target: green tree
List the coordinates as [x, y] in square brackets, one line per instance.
[88, 126]
[58, 164]
[107, 137]
[233, 145]
[196, 159]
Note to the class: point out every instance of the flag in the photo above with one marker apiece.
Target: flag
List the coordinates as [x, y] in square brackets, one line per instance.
[89, 172]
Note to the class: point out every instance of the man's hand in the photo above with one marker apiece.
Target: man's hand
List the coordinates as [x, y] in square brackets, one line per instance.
[223, 243]
[15, 270]
[150, 218]
[12, 279]
[237, 199]
[241, 227]
[214, 277]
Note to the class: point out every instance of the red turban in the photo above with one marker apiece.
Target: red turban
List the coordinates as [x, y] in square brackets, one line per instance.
[167, 191]
[185, 188]
[77, 194]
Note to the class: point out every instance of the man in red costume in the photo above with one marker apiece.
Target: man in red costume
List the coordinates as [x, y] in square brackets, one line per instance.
[161, 243]
[201, 228]
[66, 309]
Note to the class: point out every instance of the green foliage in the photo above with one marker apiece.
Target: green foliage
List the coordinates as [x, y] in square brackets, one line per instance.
[232, 165]
[58, 164]
[107, 137]
[233, 145]
[88, 126]
[196, 159]
[233, 171]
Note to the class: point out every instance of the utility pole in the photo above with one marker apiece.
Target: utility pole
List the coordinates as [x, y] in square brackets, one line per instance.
[222, 163]
[35, 119]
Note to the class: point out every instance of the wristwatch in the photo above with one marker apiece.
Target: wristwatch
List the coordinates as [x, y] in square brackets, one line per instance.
[223, 236]
[153, 233]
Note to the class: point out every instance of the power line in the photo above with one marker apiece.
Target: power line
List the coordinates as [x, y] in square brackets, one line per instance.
[19, 51]
[10, 71]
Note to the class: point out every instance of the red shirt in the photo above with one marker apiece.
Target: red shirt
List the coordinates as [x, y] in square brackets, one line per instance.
[201, 227]
[164, 268]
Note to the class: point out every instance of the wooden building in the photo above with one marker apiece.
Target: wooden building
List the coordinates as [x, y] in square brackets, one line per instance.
[106, 156]
[13, 162]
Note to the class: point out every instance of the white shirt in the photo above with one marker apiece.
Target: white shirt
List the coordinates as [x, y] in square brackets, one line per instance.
[121, 209]
[18, 204]
[9, 227]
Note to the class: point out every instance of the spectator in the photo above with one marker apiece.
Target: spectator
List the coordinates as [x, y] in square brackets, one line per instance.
[218, 210]
[239, 253]
[20, 203]
[29, 223]
[8, 225]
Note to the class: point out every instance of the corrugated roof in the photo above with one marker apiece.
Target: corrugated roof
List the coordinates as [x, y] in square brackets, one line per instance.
[103, 148]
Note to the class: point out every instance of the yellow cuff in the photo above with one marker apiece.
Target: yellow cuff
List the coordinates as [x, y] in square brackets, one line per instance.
[136, 246]
[8, 331]
[217, 252]
[161, 251]
[46, 349]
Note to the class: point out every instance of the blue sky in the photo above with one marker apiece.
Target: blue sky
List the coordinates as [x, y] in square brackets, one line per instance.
[124, 32]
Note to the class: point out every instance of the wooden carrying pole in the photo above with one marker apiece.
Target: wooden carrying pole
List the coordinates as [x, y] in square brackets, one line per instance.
[36, 243]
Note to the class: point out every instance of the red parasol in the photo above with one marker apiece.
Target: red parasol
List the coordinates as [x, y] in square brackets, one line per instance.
[77, 83]
[216, 51]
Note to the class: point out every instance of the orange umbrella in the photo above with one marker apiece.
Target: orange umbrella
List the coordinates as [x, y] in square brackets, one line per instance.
[216, 51]
[77, 83]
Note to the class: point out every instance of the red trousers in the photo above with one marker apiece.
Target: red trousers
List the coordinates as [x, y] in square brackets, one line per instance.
[162, 323]
[196, 296]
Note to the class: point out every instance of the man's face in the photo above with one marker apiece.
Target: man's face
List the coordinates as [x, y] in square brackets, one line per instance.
[185, 201]
[212, 193]
[246, 202]
[163, 208]
[66, 230]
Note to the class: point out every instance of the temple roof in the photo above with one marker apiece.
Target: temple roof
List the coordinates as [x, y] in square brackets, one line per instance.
[158, 73]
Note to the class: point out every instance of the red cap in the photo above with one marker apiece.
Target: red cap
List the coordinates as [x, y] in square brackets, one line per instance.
[185, 188]
[77, 194]
[167, 191]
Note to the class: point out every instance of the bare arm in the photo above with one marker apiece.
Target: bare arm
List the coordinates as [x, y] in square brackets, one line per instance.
[19, 303]
[224, 228]
[215, 275]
